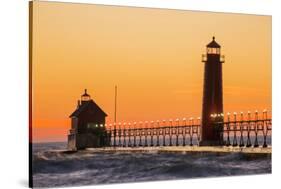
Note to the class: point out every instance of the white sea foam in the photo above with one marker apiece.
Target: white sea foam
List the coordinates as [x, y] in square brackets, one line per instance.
[52, 167]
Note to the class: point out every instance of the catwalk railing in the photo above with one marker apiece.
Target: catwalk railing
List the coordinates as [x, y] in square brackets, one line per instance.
[249, 130]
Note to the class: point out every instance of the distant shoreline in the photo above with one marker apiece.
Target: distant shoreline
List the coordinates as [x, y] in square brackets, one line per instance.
[49, 142]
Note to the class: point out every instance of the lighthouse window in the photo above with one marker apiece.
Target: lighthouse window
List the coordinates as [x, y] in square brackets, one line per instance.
[213, 50]
[91, 125]
[218, 51]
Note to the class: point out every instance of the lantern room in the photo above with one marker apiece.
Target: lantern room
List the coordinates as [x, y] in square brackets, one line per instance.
[85, 96]
[213, 53]
[213, 47]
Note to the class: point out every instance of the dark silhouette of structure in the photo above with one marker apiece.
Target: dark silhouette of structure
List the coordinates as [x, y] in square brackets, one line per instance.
[87, 125]
[182, 133]
[88, 128]
[212, 111]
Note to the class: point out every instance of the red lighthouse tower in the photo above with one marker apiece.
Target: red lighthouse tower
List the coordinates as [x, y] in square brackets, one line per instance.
[212, 110]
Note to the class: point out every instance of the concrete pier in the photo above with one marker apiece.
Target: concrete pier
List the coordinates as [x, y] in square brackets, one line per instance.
[185, 149]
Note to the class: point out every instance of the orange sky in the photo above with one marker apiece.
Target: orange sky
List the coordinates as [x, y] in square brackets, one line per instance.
[153, 55]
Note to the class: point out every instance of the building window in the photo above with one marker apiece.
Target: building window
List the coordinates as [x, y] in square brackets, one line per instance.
[91, 125]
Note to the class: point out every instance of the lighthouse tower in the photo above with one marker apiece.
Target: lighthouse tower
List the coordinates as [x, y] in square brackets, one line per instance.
[212, 110]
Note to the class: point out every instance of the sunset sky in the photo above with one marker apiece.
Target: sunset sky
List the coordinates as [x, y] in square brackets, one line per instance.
[152, 55]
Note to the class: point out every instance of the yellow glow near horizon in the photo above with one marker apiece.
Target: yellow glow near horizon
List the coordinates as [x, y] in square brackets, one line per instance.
[152, 55]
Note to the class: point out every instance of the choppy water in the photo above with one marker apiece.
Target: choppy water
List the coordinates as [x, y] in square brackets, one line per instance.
[52, 169]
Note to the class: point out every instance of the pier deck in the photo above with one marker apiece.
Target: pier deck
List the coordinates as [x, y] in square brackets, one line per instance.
[186, 149]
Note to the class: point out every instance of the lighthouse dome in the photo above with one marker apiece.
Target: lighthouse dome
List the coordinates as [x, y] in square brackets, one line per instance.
[213, 44]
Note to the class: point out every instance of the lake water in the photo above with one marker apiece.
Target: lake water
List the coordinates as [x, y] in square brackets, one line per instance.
[55, 169]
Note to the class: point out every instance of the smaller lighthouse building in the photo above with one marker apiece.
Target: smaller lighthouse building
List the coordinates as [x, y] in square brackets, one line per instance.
[87, 125]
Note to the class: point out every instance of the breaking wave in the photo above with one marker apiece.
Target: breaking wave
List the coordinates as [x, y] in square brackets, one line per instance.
[53, 167]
